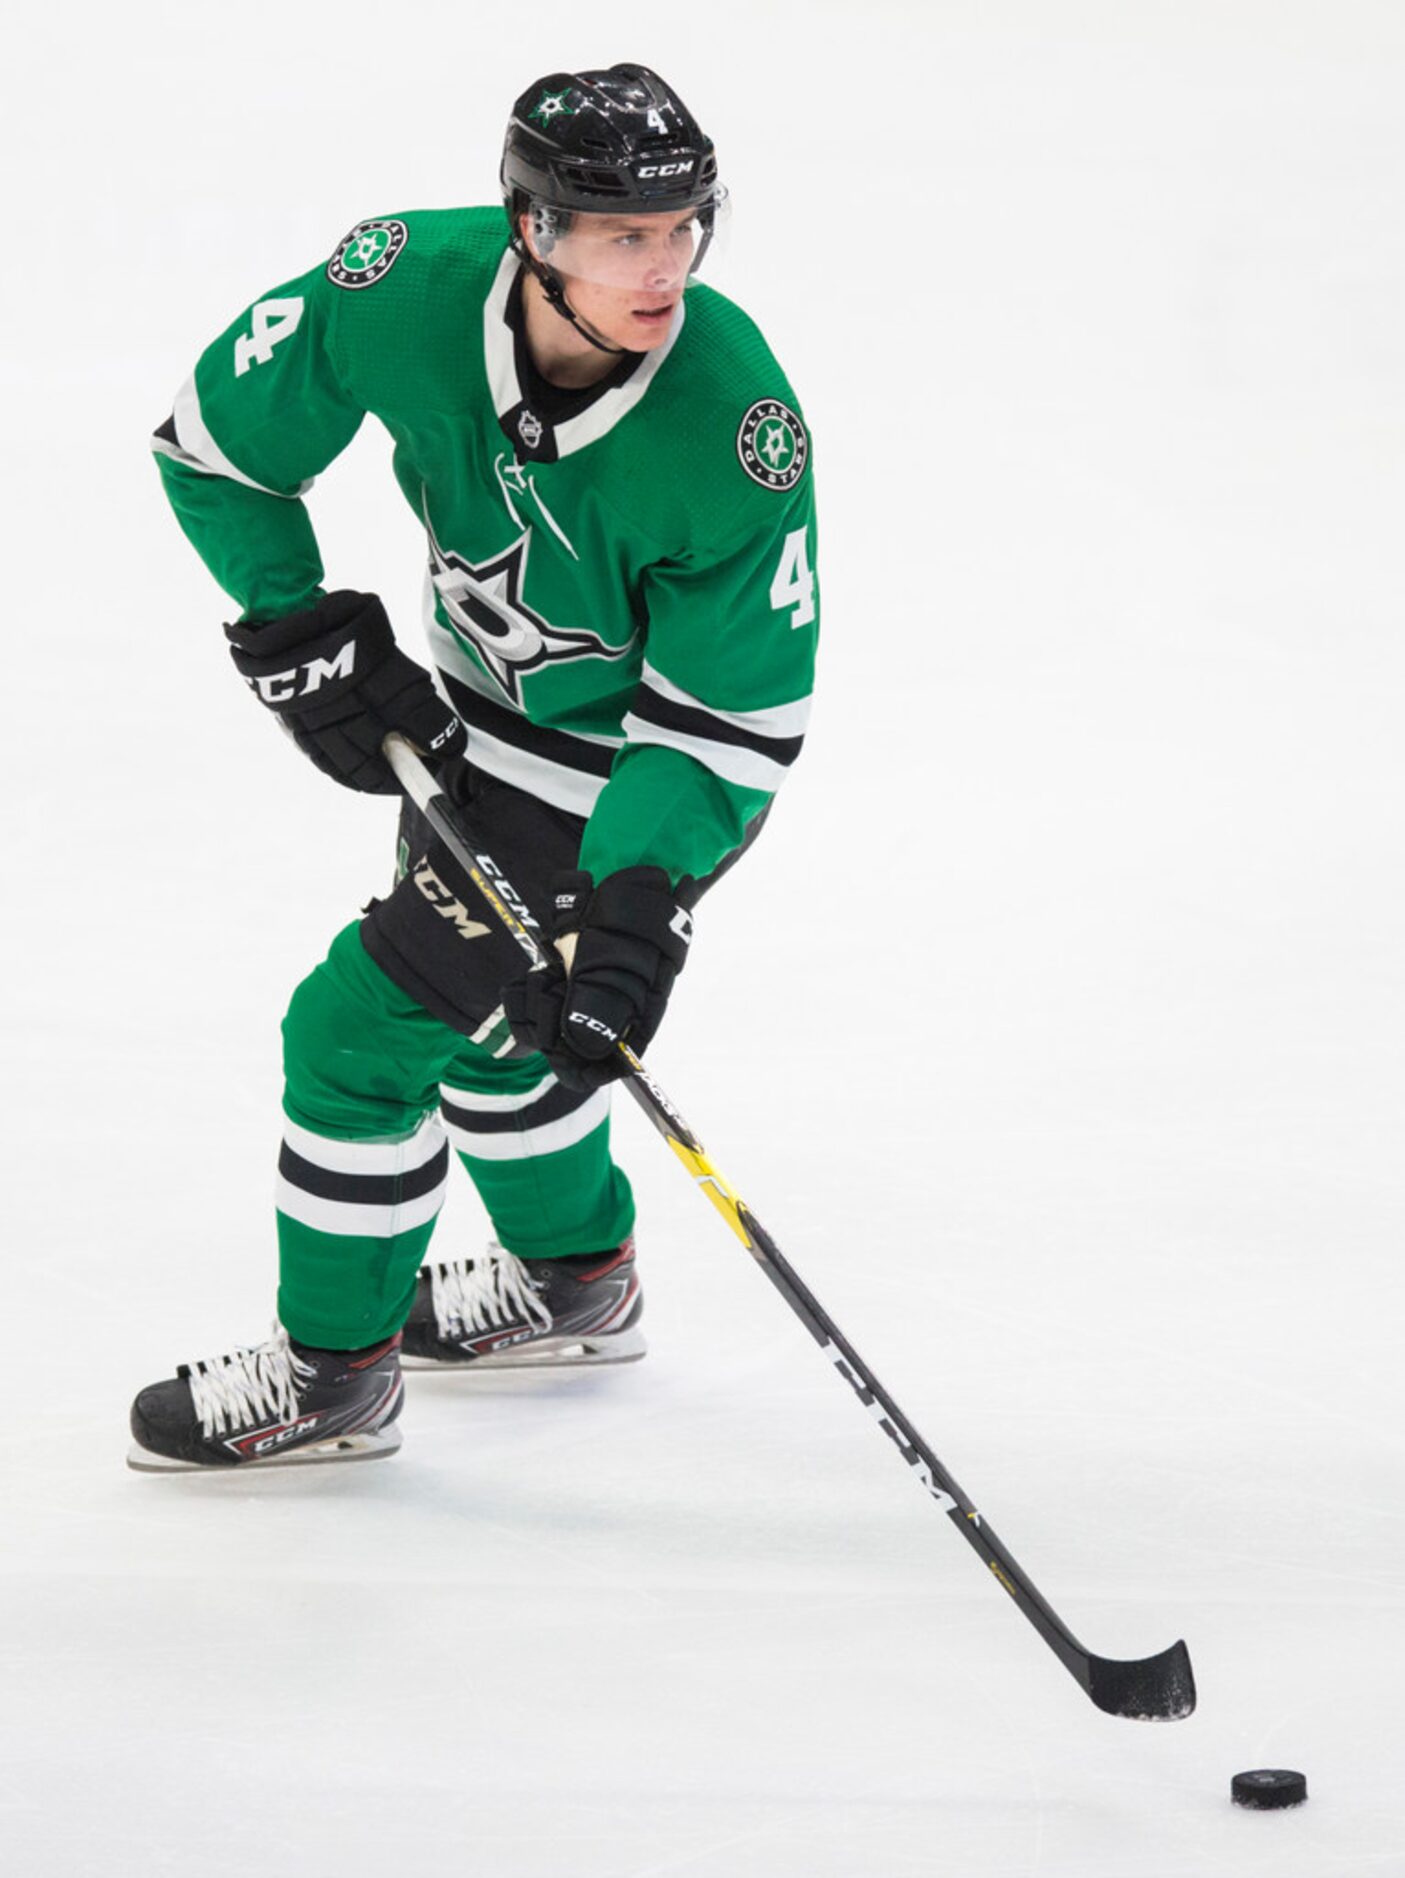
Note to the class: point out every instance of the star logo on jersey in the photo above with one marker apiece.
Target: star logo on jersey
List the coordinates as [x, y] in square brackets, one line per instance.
[551, 104]
[484, 604]
[362, 253]
[367, 254]
[772, 445]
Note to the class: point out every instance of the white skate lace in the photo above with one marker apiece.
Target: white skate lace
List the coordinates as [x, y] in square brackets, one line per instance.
[484, 1294]
[248, 1386]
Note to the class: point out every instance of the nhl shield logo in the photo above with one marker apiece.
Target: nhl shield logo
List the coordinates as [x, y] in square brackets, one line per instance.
[367, 254]
[772, 445]
[530, 429]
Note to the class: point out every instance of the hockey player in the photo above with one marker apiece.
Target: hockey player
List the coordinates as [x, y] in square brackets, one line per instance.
[614, 480]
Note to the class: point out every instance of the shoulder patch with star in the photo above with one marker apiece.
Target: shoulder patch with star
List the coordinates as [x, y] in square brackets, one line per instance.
[772, 446]
[368, 253]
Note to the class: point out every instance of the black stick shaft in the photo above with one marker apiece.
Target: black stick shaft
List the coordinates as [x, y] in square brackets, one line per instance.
[1153, 1688]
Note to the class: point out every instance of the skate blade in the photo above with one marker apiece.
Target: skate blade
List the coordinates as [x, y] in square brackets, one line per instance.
[364, 1447]
[625, 1346]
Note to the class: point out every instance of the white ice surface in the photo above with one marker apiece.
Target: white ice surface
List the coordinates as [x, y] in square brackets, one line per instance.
[1097, 313]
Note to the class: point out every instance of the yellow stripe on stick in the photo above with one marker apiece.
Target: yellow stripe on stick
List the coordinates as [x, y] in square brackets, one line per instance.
[714, 1186]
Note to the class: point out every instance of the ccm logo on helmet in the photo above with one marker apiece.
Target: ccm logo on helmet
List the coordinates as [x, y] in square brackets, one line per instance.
[663, 169]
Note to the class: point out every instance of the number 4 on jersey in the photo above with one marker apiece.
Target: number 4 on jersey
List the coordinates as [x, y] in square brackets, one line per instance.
[794, 584]
[273, 321]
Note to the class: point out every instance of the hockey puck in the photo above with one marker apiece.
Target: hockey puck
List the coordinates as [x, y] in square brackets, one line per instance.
[1267, 1788]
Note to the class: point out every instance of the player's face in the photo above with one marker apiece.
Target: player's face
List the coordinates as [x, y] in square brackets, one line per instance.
[625, 274]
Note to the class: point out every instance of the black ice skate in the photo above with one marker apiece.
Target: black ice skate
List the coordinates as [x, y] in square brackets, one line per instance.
[275, 1405]
[502, 1312]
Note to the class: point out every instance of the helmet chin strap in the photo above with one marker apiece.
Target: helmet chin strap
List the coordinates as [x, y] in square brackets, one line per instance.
[554, 289]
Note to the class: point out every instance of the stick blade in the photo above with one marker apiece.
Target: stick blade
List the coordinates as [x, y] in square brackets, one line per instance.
[1156, 1688]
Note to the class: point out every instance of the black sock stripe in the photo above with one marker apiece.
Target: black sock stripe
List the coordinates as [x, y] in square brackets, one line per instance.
[364, 1189]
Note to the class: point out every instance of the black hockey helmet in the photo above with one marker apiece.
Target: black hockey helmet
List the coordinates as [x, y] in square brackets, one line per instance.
[615, 141]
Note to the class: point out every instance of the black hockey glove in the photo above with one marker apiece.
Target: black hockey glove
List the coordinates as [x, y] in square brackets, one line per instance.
[632, 937]
[339, 682]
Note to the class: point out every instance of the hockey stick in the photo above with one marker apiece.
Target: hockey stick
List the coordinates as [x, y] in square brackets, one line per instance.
[1153, 1688]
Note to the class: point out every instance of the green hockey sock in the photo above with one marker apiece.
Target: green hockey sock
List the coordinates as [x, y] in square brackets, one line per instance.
[364, 1161]
[539, 1155]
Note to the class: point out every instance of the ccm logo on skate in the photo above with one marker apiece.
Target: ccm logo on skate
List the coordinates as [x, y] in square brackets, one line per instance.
[272, 1438]
[484, 1346]
[279, 687]
[594, 1023]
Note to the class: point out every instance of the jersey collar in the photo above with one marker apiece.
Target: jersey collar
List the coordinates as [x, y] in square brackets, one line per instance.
[512, 399]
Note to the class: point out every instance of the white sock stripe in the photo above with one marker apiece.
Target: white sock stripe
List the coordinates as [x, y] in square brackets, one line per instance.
[498, 1104]
[345, 1219]
[549, 1138]
[367, 1157]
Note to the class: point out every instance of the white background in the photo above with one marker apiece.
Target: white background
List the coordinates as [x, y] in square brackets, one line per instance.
[1055, 1028]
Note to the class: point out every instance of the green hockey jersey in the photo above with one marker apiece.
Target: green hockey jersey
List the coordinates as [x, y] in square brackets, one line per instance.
[621, 598]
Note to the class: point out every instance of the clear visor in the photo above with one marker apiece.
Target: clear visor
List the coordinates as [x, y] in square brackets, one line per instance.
[650, 253]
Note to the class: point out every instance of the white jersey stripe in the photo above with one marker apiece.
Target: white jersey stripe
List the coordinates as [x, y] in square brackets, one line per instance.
[569, 789]
[774, 720]
[498, 353]
[199, 449]
[732, 762]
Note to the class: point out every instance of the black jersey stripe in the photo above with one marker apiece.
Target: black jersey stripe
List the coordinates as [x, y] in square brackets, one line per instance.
[364, 1189]
[696, 721]
[555, 746]
[552, 1106]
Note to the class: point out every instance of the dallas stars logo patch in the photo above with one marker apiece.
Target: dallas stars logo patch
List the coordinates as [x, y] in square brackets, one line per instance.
[484, 604]
[772, 445]
[551, 104]
[368, 253]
